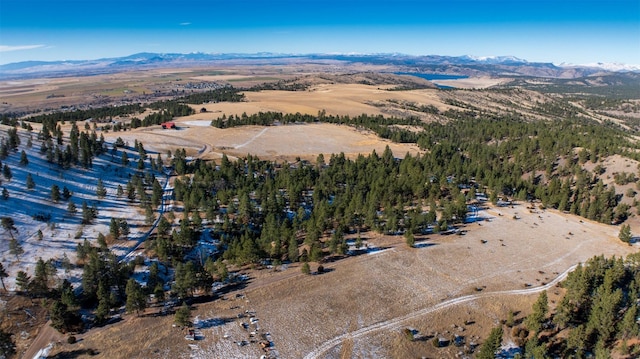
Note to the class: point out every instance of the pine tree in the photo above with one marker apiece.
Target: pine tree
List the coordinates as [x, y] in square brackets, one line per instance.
[535, 320]
[29, 181]
[534, 349]
[9, 225]
[4, 150]
[124, 227]
[603, 314]
[158, 292]
[114, 229]
[149, 215]
[163, 227]
[601, 351]
[305, 268]
[22, 281]
[55, 193]
[62, 318]
[3, 275]
[491, 345]
[183, 315]
[88, 214]
[71, 208]
[185, 279]
[156, 196]
[15, 248]
[65, 263]
[358, 243]
[101, 191]
[628, 326]
[66, 193]
[131, 191]
[125, 159]
[409, 239]
[40, 282]
[23, 158]
[102, 242]
[625, 234]
[6, 172]
[136, 300]
[104, 303]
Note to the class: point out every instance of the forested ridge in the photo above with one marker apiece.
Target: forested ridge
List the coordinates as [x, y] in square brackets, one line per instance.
[504, 153]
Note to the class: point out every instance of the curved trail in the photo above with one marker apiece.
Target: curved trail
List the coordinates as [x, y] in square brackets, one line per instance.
[252, 138]
[392, 323]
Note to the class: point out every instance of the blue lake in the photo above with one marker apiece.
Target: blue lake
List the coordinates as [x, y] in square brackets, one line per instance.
[434, 77]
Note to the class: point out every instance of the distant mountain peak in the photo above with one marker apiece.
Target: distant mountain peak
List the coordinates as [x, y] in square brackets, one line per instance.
[607, 66]
[468, 64]
[496, 59]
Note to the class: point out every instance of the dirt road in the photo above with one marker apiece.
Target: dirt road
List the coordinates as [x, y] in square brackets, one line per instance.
[393, 323]
[46, 335]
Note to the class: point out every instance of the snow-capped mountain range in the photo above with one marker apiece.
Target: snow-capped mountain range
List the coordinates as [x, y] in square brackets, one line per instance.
[468, 65]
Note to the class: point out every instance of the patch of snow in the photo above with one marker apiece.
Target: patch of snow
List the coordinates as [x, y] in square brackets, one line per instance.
[509, 350]
[200, 123]
[44, 352]
[62, 231]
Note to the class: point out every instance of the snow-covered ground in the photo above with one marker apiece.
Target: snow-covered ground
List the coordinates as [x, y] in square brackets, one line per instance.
[63, 231]
[200, 123]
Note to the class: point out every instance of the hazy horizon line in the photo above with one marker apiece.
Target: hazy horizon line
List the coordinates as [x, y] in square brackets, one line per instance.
[5, 48]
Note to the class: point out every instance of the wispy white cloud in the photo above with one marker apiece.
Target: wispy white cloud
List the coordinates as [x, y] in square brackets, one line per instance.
[7, 48]
[185, 23]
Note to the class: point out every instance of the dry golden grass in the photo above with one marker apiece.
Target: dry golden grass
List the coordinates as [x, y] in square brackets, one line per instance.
[275, 142]
[472, 83]
[391, 287]
[369, 289]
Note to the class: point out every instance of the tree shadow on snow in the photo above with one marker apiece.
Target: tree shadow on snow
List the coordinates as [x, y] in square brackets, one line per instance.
[75, 354]
[424, 244]
[211, 322]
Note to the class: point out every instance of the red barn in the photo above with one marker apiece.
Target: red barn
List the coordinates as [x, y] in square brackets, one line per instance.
[166, 125]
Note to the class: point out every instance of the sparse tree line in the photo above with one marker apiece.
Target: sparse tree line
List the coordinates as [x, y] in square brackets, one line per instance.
[167, 110]
[618, 86]
[382, 126]
[97, 114]
[281, 85]
[81, 148]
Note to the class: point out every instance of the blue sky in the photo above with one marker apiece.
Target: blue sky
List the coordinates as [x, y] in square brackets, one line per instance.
[573, 31]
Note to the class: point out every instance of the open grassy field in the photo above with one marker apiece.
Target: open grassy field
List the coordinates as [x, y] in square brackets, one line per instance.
[359, 307]
[277, 142]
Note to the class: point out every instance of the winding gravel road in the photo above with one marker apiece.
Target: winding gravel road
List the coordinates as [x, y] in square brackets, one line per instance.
[395, 322]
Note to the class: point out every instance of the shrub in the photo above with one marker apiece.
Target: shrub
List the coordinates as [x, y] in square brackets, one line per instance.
[408, 333]
[305, 268]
